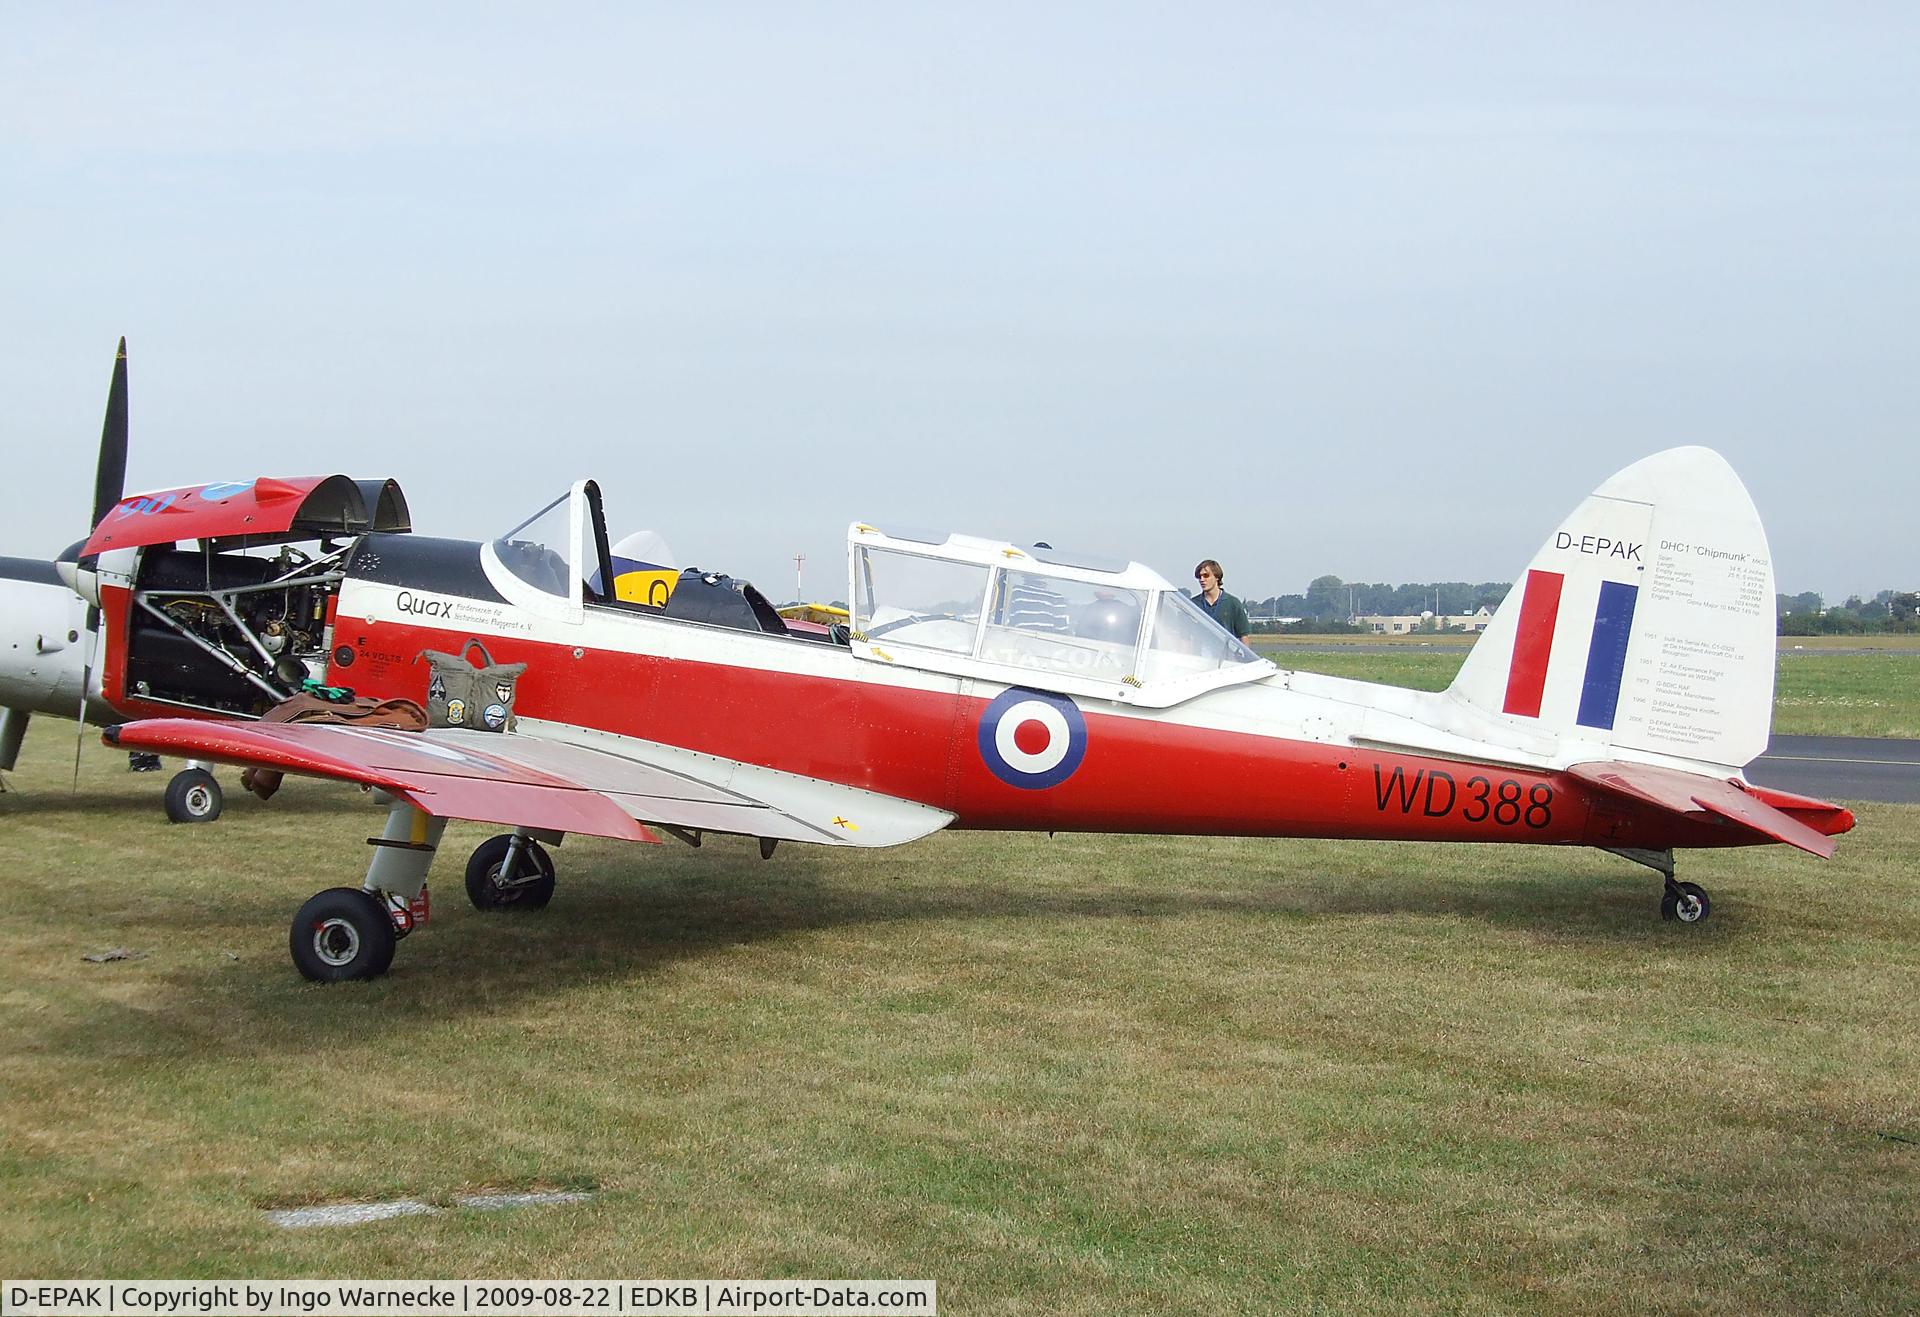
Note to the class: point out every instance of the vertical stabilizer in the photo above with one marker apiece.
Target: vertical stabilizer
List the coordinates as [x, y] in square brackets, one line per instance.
[1646, 621]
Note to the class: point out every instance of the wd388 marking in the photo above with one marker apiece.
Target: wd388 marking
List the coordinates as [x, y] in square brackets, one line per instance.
[1435, 794]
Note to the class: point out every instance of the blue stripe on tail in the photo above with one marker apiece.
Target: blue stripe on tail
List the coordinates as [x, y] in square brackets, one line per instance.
[1607, 654]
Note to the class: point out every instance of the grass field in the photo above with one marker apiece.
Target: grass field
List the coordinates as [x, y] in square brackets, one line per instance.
[1078, 1075]
[1816, 690]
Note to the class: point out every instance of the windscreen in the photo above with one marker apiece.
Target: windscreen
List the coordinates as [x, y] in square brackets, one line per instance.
[907, 599]
[1068, 627]
[1186, 642]
[536, 549]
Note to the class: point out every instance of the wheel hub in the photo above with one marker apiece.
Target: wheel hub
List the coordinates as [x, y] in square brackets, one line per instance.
[336, 941]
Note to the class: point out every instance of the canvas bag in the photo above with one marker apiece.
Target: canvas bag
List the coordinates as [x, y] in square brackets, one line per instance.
[461, 695]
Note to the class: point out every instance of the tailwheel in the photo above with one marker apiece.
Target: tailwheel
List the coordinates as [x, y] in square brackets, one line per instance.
[1686, 902]
[193, 797]
[509, 872]
[340, 934]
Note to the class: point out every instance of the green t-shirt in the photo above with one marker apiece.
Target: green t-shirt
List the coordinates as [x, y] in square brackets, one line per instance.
[1228, 612]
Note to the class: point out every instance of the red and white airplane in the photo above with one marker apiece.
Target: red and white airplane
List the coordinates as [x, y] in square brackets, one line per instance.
[1613, 702]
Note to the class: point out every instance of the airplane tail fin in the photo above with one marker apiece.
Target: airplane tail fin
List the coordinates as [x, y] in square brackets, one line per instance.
[1645, 623]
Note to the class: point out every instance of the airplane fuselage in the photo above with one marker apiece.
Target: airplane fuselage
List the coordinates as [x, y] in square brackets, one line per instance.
[1262, 759]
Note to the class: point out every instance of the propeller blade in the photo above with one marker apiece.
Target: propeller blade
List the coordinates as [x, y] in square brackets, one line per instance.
[110, 476]
[109, 487]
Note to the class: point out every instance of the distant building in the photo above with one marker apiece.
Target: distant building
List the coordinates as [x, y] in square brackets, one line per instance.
[1382, 625]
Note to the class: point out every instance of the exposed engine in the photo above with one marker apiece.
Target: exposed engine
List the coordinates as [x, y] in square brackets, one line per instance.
[228, 630]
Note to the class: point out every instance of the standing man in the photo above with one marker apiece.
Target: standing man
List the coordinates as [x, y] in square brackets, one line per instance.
[1217, 603]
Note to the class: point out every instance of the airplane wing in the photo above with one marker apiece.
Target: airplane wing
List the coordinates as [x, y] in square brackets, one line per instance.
[1689, 793]
[592, 783]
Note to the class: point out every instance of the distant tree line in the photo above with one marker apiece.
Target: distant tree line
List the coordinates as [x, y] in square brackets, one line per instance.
[1329, 602]
[1889, 611]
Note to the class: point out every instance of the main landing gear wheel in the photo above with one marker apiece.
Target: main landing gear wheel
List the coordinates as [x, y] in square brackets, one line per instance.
[342, 933]
[491, 887]
[1686, 902]
[193, 797]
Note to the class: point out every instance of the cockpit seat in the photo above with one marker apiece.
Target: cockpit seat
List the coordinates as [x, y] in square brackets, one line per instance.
[720, 600]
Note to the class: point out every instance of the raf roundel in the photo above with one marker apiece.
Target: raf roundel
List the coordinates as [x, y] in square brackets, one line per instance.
[1031, 739]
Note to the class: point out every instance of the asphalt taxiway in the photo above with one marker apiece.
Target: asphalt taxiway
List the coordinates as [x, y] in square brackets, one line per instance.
[1841, 768]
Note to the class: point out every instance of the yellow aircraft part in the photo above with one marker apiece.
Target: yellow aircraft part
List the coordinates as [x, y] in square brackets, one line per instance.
[823, 614]
[653, 587]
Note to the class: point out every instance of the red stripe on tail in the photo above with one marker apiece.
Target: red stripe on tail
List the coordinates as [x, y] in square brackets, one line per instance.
[1533, 643]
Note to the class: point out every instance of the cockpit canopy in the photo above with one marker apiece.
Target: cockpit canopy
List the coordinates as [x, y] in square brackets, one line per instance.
[1036, 617]
[1060, 621]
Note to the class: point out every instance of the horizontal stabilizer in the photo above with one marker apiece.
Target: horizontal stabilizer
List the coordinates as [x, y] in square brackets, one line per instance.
[1681, 792]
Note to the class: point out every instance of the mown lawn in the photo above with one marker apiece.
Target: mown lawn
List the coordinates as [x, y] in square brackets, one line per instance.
[1079, 1074]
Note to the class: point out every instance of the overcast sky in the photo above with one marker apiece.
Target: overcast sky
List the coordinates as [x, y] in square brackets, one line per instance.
[1377, 291]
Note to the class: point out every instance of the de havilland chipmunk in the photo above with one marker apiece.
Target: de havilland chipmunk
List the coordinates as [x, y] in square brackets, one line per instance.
[1613, 702]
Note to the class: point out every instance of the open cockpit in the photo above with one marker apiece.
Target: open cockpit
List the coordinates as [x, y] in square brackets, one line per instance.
[560, 563]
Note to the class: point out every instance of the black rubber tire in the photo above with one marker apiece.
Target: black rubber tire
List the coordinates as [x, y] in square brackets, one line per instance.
[484, 877]
[340, 934]
[1687, 906]
[194, 796]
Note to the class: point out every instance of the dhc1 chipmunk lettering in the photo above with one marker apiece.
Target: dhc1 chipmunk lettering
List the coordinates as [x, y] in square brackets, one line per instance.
[1581, 717]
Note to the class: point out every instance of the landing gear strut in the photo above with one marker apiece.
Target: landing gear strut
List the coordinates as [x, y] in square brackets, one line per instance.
[349, 933]
[1684, 903]
[510, 872]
